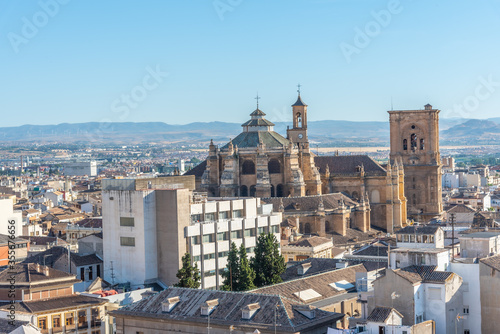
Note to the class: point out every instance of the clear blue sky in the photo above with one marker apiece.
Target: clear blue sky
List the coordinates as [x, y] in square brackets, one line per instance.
[218, 53]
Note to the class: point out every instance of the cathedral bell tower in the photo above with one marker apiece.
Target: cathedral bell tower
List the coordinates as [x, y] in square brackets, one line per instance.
[298, 134]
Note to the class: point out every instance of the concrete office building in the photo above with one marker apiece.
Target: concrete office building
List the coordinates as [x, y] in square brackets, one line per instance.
[148, 227]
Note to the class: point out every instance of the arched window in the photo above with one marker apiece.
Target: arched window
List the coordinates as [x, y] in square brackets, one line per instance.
[253, 190]
[405, 144]
[307, 228]
[422, 144]
[299, 120]
[413, 141]
[248, 168]
[243, 191]
[272, 191]
[274, 166]
[279, 190]
[328, 228]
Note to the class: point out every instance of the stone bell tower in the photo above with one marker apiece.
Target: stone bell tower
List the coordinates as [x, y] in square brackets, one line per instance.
[298, 133]
[415, 142]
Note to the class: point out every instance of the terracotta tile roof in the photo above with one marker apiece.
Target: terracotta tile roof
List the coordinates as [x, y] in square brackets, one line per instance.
[380, 314]
[229, 310]
[424, 274]
[348, 164]
[319, 283]
[66, 302]
[461, 208]
[311, 242]
[27, 273]
[492, 261]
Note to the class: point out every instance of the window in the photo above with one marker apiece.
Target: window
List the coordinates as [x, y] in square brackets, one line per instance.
[222, 236]
[422, 145]
[250, 232]
[208, 238]
[420, 318]
[466, 331]
[413, 140]
[261, 230]
[209, 256]
[248, 168]
[196, 258]
[223, 215]
[195, 218]
[236, 234]
[42, 323]
[405, 144]
[127, 241]
[56, 321]
[209, 273]
[275, 229]
[223, 254]
[237, 214]
[70, 321]
[210, 217]
[195, 240]
[250, 249]
[274, 166]
[126, 221]
[82, 274]
[434, 293]
[98, 271]
[466, 309]
[91, 276]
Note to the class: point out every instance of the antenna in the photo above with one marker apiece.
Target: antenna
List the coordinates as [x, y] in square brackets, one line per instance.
[112, 274]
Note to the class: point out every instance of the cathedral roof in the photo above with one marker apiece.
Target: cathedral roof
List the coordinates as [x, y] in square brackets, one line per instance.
[257, 112]
[310, 203]
[299, 102]
[252, 139]
[348, 164]
[258, 122]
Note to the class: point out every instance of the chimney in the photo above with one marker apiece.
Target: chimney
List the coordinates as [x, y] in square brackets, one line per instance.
[169, 305]
[46, 271]
[38, 268]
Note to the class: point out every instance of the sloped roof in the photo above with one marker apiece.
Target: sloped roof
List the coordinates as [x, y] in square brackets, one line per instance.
[198, 170]
[26, 273]
[461, 208]
[372, 250]
[229, 310]
[51, 255]
[319, 283]
[258, 122]
[419, 229]
[424, 274]
[381, 314]
[492, 261]
[299, 102]
[44, 305]
[311, 242]
[310, 203]
[252, 139]
[348, 164]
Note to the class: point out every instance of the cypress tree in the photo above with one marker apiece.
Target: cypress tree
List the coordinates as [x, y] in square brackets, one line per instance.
[268, 264]
[247, 275]
[188, 275]
[232, 273]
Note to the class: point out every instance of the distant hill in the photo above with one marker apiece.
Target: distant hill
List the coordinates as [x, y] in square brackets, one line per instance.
[474, 129]
[324, 132]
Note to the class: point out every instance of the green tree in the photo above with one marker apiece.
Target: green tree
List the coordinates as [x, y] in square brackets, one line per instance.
[188, 275]
[247, 274]
[232, 273]
[268, 263]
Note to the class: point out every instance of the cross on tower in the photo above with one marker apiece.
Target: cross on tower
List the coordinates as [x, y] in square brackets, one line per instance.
[257, 98]
[298, 90]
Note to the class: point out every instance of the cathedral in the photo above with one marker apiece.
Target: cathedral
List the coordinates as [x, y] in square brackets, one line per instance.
[260, 162]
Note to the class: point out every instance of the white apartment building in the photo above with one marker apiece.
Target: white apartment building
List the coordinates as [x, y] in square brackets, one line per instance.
[11, 221]
[147, 228]
[84, 168]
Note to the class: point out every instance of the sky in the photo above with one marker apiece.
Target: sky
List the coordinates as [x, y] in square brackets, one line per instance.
[183, 61]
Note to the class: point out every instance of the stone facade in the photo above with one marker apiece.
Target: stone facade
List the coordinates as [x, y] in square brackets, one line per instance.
[362, 178]
[415, 145]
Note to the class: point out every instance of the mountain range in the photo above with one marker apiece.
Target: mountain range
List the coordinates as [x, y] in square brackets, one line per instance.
[323, 132]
